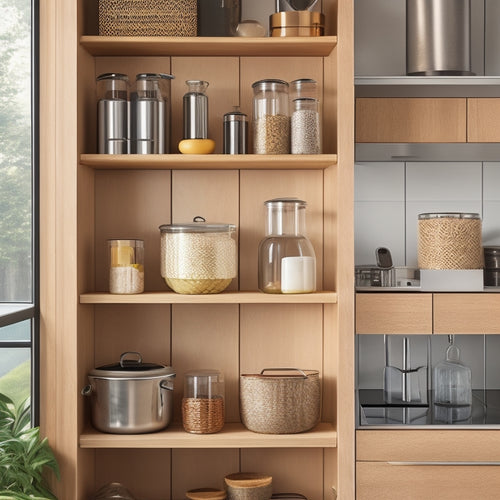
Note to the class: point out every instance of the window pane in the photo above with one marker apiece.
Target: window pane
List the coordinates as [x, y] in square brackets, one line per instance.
[18, 331]
[15, 373]
[15, 152]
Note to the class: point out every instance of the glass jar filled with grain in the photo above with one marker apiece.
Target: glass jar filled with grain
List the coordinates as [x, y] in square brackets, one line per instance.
[271, 117]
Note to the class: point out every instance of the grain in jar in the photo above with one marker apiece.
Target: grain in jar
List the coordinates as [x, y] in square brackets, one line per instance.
[271, 118]
[126, 266]
[306, 133]
[198, 258]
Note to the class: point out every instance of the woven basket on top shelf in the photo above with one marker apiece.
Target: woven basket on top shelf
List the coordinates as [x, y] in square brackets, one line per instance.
[280, 404]
[148, 17]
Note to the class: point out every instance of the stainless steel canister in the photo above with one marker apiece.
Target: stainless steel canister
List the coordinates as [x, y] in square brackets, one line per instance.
[438, 37]
[149, 114]
[112, 114]
[235, 132]
[195, 110]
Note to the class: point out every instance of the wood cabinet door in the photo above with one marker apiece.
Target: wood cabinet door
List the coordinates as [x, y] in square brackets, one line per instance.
[397, 313]
[466, 313]
[410, 120]
[407, 481]
[483, 120]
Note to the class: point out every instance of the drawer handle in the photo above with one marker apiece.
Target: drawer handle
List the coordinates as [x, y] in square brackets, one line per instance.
[446, 463]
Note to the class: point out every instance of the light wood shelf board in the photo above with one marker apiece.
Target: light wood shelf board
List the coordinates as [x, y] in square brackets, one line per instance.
[231, 436]
[208, 162]
[323, 297]
[209, 46]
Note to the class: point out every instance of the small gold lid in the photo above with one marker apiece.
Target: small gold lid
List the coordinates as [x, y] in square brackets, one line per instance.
[297, 18]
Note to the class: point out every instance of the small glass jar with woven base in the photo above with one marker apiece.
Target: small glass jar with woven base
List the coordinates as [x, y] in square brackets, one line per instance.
[203, 402]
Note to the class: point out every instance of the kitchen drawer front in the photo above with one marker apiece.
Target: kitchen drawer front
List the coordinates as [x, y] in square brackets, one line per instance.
[483, 124]
[411, 120]
[398, 313]
[466, 313]
[434, 445]
[386, 481]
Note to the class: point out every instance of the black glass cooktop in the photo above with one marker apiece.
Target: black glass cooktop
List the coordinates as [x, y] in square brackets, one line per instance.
[373, 411]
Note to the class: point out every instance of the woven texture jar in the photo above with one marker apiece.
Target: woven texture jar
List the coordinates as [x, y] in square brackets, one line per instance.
[449, 241]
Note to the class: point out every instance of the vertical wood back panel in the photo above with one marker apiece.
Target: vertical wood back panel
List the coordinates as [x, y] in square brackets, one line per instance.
[222, 74]
[206, 337]
[258, 186]
[145, 473]
[201, 469]
[297, 470]
[132, 204]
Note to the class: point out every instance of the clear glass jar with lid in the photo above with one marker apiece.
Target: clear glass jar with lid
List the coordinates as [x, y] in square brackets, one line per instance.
[203, 401]
[126, 266]
[271, 117]
[287, 262]
[198, 257]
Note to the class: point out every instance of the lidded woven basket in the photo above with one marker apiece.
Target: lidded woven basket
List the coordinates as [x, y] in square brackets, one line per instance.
[148, 17]
[284, 403]
[449, 240]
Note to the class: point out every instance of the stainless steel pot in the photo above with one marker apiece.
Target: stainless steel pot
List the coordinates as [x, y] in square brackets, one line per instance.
[131, 397]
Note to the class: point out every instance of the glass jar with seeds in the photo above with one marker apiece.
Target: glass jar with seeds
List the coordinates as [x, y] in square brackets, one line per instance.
[271, 117]
[126, 266]
[198, 258]
[306, 134]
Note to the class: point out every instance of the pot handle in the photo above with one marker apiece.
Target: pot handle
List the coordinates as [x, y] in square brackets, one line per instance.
[167, 384]
[284, 370]
[87, 390]
[124, 361]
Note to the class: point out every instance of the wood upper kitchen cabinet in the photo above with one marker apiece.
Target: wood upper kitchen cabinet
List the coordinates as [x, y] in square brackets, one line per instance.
[483, 120]
[410, 119]
[87, 198]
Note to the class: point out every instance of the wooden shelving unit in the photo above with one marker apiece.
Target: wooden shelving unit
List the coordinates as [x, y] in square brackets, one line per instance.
[216, 298]
[231, 436]
[209, 162]
[212, 46]
[89, 198]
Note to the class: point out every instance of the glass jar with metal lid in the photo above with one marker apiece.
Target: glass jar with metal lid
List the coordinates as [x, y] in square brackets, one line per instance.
[271, 117]
[449, 240]
[198, 258]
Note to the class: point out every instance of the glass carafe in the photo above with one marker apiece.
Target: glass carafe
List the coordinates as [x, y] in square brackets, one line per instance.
[287, 263]
[452, 388]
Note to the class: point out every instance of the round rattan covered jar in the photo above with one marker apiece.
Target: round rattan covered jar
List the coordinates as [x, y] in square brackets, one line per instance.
[248, 486]
[203, 402]
[450, 240]
[198, 257]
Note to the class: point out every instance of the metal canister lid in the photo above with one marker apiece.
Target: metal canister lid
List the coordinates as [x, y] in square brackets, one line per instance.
[154, 76]
[235, 116]
[198, 226]
[448, 215]
[112, 76]
[285, 201]
[270, 84]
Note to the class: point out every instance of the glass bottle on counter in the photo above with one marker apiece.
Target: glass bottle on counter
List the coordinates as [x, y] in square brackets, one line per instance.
[271, 118]
[112, 113]
[287, 262]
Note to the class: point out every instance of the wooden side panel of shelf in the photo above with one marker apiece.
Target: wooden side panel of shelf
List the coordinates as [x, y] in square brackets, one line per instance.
[466, 313]
[483, 122]
[397, 313]
[411, 120]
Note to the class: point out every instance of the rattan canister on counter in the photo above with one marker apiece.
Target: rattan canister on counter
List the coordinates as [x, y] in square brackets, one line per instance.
[280, 403]
[148, 18]
[450, 240]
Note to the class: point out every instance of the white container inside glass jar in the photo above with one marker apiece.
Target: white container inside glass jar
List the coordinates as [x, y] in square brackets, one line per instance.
[198, 258]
